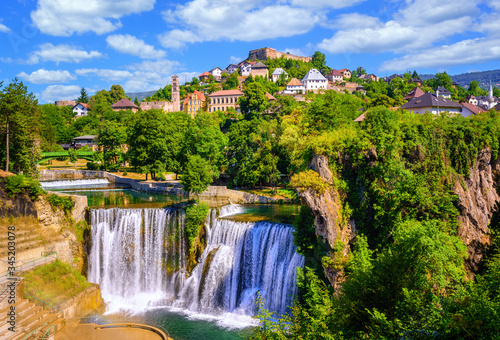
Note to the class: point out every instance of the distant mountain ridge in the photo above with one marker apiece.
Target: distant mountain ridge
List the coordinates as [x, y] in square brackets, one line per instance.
[464, 79]
[140, 95]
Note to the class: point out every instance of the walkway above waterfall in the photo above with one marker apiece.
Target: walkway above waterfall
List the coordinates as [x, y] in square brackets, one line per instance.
[169, 188]
[123, 331]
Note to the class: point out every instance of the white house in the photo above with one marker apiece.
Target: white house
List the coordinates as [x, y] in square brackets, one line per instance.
[232, 68]
[472, 100]
[277, 73]
[246, 68]
[216, 72]
[80, 110]
[335, 76]
[443, 92]
[433, 104]
[294, 86]
[314, 81]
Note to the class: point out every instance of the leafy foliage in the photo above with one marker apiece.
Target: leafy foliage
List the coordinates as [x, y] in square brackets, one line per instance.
[197, 175]
[65, 203]
[195, 215]
[20, 184]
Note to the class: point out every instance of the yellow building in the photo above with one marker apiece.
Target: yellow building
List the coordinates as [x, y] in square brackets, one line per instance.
[193, 103]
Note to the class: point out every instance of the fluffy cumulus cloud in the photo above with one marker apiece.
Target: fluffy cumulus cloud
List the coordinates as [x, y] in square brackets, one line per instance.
[326, 3]
[131, 45]
[212, 20]
[471, 51]
[61, 53]
[43, 76]
[60, 92]
[105, 74]
[63, 18]
[145, 76]
[4, 29]
[418, 25]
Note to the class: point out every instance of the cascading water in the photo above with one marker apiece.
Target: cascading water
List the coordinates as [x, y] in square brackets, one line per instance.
[138, 256]
[74, 183]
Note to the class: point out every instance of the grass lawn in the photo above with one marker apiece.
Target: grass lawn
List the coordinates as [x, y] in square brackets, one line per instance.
[54, 283]
[282, 193]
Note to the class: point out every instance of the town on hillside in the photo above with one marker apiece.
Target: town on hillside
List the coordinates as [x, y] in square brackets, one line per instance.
[285, 74]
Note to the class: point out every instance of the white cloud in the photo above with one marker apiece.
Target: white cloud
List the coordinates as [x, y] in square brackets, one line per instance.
[417, 26]
[60, 92]
[4, 29]
[177, 39]
[61, 53]
[158, 66]
[428, 12]
[63, 18]
[43, 76]
[472, 51]
[349, 20]
[212, 20]
[131, 45]
[235, 60]
[326, 3]
[105, 74]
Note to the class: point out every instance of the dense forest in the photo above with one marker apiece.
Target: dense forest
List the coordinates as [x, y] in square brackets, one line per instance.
[403, 273]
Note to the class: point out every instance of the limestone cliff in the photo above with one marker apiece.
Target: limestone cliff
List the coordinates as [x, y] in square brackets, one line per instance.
[477, 197]
[330, 224]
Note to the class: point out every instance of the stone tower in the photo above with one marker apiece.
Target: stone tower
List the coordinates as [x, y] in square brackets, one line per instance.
[176, 99]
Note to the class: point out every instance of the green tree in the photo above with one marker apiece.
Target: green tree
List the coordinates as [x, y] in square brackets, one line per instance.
[19, 117]
[319, 60]
[112, 139]
[147, 139]
[232, 82]
[116, 93]
[197, 175]
[84, 97]
[136, 102]
[73, 155]
[254, 101]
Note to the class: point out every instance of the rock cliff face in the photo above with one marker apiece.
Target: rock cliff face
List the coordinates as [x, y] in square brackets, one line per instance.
[327, 211]
[477, 197]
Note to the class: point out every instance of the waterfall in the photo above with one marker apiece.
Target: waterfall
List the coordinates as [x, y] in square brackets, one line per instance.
[74, 183]
[138, 256]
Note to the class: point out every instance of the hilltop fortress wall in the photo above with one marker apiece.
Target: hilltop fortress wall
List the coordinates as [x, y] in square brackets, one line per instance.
[271, 53]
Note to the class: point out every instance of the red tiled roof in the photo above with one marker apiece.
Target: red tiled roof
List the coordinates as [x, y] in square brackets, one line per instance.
[199, 95]
[360, 118]
[343, 70]
[335, 73]
[124, 103]
[270, 96]
[85, 105]
[294, 82]
[473, 108]
[203, 74]
[414, 93]
[226, 93]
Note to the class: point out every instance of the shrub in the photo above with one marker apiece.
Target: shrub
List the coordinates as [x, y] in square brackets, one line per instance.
[20, 184]
[92, 166]
[65, 203]
[195, 215]
[309, 180]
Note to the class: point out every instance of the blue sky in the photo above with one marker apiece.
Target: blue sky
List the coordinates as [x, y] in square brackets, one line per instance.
[58, 46]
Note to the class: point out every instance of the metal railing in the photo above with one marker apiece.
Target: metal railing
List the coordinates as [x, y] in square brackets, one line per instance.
[53, 308]
[48, 331]
[156, 330]
[37, 262]
[29, 334]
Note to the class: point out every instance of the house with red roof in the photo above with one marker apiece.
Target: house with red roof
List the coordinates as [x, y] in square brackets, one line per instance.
[414, 93]
[335, 75]
[193, 103]
[204, 77]
[345, 73]
[124, 104]
[294, 86]
[81, 109]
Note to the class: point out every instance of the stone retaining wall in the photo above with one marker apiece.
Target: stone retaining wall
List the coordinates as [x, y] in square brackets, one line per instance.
[81, 305]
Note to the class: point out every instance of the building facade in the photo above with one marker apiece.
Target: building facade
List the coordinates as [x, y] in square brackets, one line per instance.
[223, 100]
